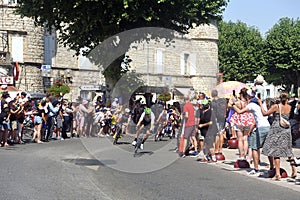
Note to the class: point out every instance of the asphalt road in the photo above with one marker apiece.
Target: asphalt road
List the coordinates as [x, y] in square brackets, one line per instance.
[92, 168]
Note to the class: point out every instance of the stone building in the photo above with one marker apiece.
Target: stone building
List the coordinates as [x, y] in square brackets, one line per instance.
[40, 58]
[22, 43]
[190, 63]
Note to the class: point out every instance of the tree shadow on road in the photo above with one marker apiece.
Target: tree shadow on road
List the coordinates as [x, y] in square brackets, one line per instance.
[142, 153]
[89, 162]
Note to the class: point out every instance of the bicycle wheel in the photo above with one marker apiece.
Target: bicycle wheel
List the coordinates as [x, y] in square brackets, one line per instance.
[137, 146]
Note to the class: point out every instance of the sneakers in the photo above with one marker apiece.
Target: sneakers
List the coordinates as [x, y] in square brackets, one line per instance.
[212, 161]
[254, 172]
[182, 155]
[194, 154]
[133, 143]
[297, 161]
[142, 146]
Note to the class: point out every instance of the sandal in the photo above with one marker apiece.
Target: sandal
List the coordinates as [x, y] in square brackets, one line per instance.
[276, 178]
[294, 176]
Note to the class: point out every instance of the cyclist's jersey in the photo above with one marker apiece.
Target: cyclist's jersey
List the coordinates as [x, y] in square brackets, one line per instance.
[113, 120]
[124, 119]
[163, 116]
[147, 119]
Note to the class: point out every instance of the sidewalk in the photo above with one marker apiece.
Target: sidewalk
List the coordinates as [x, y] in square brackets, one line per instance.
[231, 156]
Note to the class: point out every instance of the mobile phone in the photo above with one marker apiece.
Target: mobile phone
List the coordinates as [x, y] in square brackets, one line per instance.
[233, 93]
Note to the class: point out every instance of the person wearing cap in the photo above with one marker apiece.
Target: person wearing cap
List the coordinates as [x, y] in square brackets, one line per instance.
[122, 123]
[259, 88]
[208, 130]
[146, 121]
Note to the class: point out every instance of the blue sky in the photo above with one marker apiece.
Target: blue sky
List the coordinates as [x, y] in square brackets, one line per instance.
[262, 14]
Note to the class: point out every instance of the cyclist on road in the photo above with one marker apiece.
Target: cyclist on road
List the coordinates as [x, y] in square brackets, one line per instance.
[146, 121]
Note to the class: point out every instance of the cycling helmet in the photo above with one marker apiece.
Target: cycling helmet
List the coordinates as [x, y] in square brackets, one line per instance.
[147, 111]
[127, 110]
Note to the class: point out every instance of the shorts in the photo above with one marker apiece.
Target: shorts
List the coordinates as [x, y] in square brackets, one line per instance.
[14, 125]
[6, 126]
[242, 128]
[220, 127]
[38, 120]
[189, 131]
[258, 137]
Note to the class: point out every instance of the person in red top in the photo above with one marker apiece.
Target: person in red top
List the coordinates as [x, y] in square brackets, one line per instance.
[189, 125]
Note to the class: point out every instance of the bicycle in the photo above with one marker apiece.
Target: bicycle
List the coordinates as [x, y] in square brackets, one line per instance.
[139, 140]
[119, 131]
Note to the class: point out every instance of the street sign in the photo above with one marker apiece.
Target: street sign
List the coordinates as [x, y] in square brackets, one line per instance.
[45, 67]
[91, 87]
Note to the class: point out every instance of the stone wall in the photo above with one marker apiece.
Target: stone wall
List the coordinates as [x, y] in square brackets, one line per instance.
[201, 43]
[33, 47]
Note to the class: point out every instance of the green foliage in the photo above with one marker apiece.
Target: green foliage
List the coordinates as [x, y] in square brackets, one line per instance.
[241, 55]
[59, 88]
[282, 50]
[87, 23]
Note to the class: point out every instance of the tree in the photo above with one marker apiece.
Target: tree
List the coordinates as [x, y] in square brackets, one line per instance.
[59, 88]
[240, 52]
[86, 24]
[282, 49]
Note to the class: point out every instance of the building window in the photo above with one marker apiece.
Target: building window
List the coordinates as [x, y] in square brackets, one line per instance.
[188, 64]
[17, 49]
[159, 61]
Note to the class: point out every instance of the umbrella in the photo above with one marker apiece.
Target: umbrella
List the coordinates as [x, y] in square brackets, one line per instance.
[225, 89]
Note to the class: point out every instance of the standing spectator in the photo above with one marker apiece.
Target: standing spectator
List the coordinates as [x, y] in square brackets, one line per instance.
[292, 118]
[208, 131]
[82, 113]
[4, 123]
[23, 98]
[59, 122]
[242, 124]
[258, 137]
[39, 118]
[14, 110]
[189, 127]
[53, 108]
[297, 118]
[219, 107]
[67, 113]
[279, 141]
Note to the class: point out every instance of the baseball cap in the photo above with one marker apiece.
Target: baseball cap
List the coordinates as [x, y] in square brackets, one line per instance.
[204, 102]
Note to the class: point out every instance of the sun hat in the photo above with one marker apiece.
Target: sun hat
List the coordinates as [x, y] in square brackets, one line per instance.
[259, 79]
